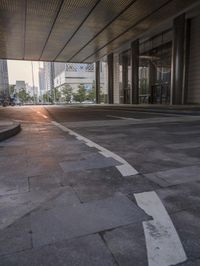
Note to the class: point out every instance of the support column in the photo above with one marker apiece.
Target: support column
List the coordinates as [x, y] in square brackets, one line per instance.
[97, 79]
[178, 60]
[110, 79]
[135, 71]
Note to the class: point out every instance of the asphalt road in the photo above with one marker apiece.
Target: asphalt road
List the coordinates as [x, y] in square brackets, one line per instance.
[100, 186]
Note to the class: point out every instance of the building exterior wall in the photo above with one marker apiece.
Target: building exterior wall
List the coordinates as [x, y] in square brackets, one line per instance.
[74, 75]
[4, 86]
[194, 62]
[20, 84]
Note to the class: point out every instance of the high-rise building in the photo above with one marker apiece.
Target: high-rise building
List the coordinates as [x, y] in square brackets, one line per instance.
[4, 87]
[49, 76]
[41, 81]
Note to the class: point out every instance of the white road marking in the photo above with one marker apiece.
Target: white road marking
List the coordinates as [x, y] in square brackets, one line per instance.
[124, 118]
[124, 168]
[164, 247]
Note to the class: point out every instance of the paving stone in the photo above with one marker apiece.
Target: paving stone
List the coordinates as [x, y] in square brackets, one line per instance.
[101, 183]
[44, 182]
[89, 250]
[16, 237]
[73, 221]
[180, 197]
[13, 185]
[66, 197]
[187, 224]
[97, 161]
[13, 207]
[175, 176]
[190, 263]
[128, 245]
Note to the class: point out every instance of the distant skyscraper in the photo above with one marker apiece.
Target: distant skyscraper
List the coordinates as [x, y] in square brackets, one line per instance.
[41, 81]
[4, 86]
[49, 75]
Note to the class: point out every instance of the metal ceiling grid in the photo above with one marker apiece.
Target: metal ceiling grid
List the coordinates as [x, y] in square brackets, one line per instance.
[70, 17]
[170, 10]
[12, 29]
[127, 19]
[40, 16]
[100, 17]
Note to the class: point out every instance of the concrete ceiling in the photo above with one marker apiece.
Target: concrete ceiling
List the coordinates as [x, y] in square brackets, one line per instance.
[77, 31]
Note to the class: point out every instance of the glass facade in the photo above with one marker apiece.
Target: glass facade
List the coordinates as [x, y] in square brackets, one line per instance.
[125, 77]
[155, 75]
[154, 71]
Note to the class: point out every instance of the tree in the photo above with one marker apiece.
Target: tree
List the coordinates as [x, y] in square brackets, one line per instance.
[57, 94]
[80, 95]
[91, 95]
[11, 89]
[23, 95]
[67, 93]
[47, 97]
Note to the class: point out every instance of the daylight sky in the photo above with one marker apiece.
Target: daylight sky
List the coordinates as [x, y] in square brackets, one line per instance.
[21, 70]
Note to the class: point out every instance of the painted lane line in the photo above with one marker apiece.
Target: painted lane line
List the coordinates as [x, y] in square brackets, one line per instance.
[162, 241]
[124, 168]
[124, 118]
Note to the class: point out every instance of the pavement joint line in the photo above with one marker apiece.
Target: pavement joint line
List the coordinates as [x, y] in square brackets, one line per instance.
[162, 241]
[125, 168]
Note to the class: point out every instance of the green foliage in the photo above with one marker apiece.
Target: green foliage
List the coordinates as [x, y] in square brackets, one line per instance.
[11, 89]
[23, 96]
[80, 96]
[91, 95]
[67, 93]
[47, 97]
[57, 94]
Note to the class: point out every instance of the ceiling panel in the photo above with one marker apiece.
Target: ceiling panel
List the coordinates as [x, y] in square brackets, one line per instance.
[130, 17]
[77, 30]
[40, 16]
[102, 15]
[12, 29]
[154, 20]
[69, 19]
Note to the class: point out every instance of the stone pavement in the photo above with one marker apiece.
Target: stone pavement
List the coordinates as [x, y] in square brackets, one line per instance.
[63, 203]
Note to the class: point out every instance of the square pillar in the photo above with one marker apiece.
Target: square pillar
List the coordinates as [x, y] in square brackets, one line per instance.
[97, 81]
[110, 78]
[135, 71]
[178, 60]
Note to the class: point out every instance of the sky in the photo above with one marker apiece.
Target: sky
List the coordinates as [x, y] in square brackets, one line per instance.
[21, 70]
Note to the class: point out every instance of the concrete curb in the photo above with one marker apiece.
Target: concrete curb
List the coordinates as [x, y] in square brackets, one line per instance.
[9, 132]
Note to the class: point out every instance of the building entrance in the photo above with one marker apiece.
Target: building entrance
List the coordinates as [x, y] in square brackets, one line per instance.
[155, 75]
